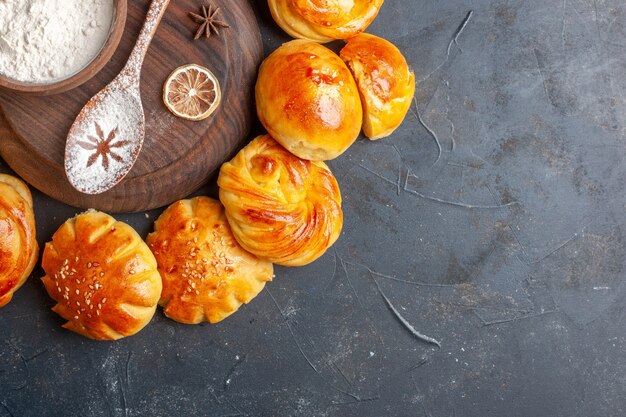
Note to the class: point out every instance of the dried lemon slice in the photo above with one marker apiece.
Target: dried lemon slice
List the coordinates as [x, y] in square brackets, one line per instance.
[192, 92]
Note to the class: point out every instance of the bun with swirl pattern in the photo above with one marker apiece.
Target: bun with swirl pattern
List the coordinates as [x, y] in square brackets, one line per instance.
[102, 276]
[280, 207]
[324, 20]
[308, 100]
[386, 83]
[207, 276]
[18, 244]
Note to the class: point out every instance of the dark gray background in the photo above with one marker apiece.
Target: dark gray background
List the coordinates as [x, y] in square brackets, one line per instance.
[527, 299]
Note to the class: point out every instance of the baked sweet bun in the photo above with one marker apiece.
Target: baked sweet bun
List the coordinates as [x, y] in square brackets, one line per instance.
[18, 244]
[280, 207]
[324, 20]
[385, 82]
[308, 100]
[206, 275]
[102, 276]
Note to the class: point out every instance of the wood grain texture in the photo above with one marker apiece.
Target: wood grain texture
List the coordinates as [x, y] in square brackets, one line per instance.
[178, 156]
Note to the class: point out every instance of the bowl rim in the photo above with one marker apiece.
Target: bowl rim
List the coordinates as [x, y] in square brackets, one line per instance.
[91, 69]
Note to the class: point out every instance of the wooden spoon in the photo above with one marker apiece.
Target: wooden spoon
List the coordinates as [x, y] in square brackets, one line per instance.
[106, 137]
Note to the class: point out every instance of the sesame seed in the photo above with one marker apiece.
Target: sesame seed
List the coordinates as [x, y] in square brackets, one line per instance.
[98, 312]
[132, 272]
[104, 300]
[78, 303]
[96, 264]
[59, 288]
[89, 265]
[88, 302]
[76, 259]
[75, 317]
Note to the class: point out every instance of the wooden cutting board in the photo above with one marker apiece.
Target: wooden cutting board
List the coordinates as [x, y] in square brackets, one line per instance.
[178, 156]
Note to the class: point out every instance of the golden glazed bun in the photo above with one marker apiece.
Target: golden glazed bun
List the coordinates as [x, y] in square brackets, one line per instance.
[102, 276]
[207, 276]
[324, 20]
[386, 83]
[280, 207]
[308, 100]
[18, 246]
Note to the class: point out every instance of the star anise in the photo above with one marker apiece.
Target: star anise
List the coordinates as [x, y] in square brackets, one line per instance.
[103, 147]
[209, 21]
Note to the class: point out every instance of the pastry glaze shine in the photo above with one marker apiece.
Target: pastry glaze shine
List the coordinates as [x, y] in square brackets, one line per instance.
[102, 276]
[207, 276]
[324, 20]
[18, 244]
[386, 83]
[280, 207]
[308, 100]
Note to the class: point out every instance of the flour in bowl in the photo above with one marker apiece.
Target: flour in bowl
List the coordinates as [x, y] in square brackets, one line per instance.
[43, 41]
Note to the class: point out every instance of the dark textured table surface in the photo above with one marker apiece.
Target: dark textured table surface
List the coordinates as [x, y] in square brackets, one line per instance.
[508, 248]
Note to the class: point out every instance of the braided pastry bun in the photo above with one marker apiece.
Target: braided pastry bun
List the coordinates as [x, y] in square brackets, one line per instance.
[280, 207]
[207, 276]
[386, 83]
[308, 100]
[102, 276]
[324, 20]
[18, 244]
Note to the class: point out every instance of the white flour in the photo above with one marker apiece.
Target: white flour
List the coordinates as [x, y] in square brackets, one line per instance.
[48, 40]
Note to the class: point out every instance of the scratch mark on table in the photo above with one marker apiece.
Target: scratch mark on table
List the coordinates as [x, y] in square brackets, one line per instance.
[429, 130]
[371, 171]
[127, 367]
[24, 363]
[404, 322]
[543, 78]
[562, 245]
[421, 363]
[239, 413]
[124, 402]
[450, 202]
[36, 355]
[453, 40]
[342, 374]
[513, 319]
[231, 372]
[369, 318]
[6, 407]
[357, 398]
[525, 259]
[459, 30]
[293, 335]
